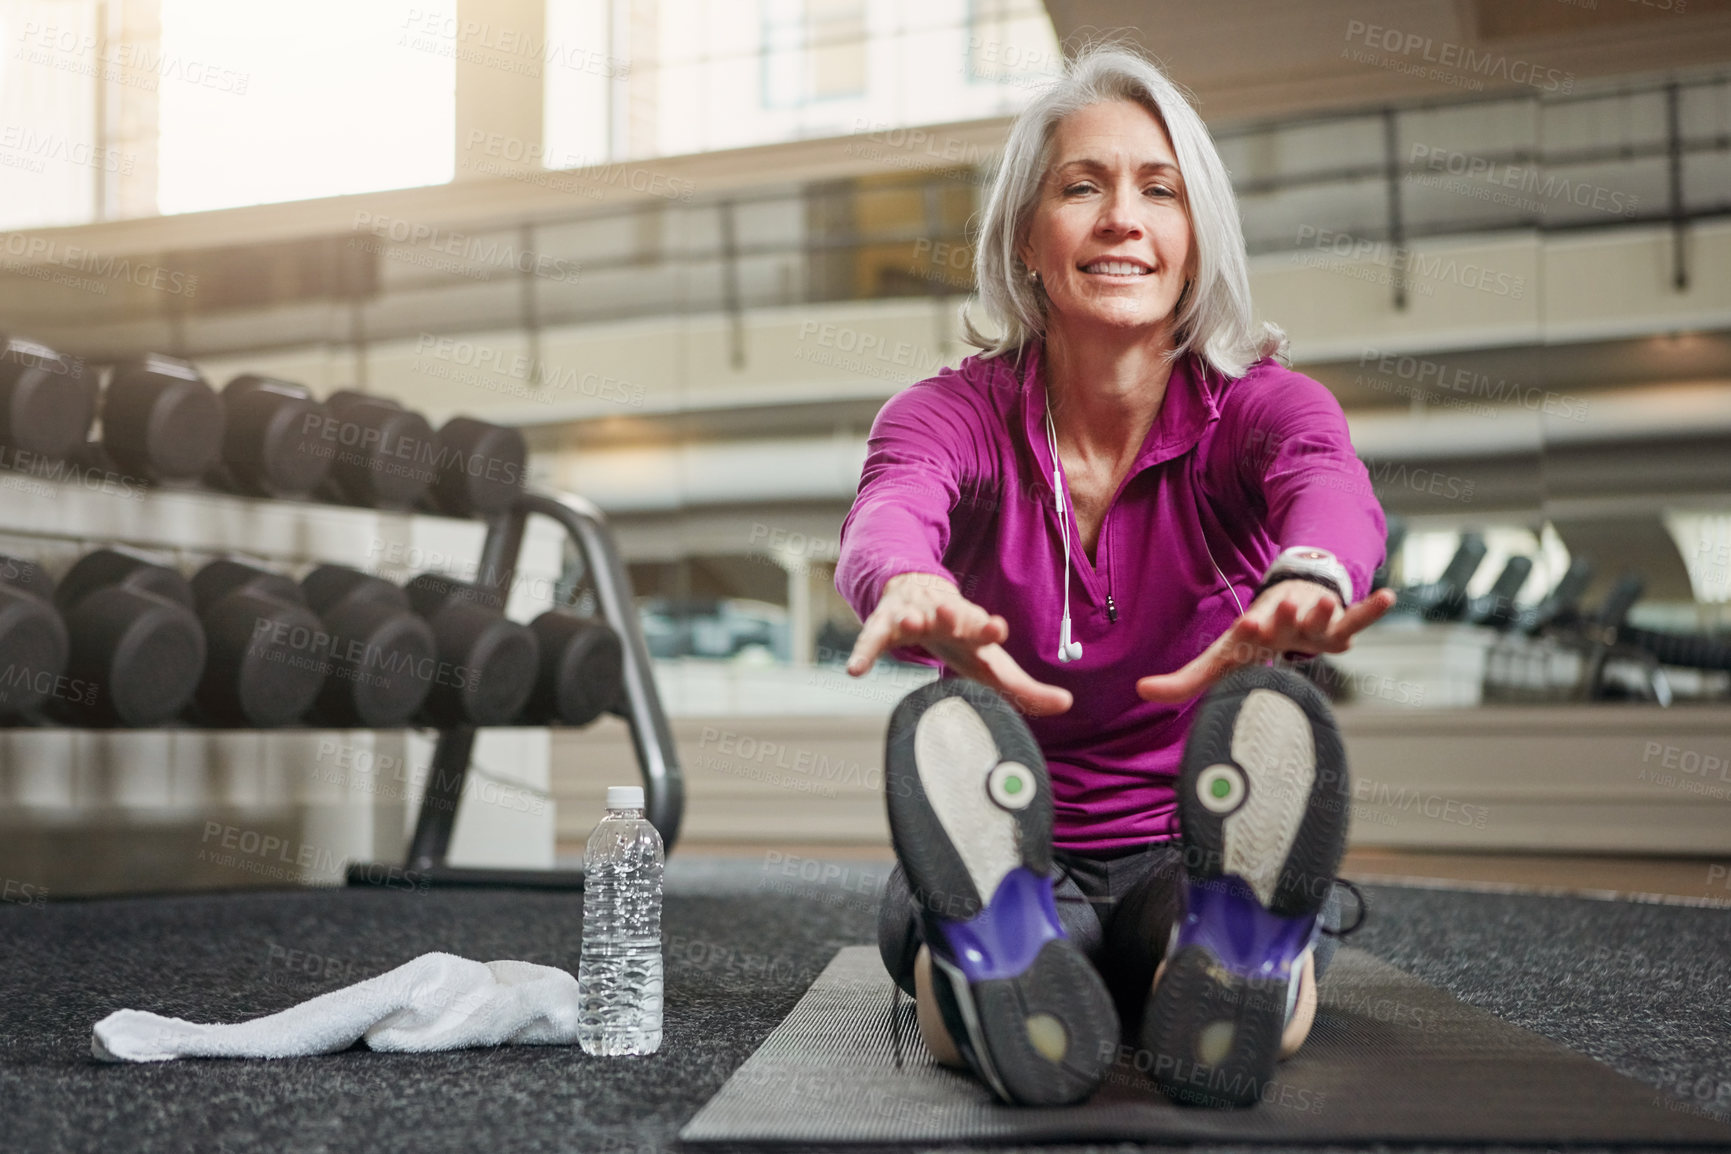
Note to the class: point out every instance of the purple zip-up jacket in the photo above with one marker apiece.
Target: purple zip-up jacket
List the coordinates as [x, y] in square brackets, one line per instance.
[958, 482]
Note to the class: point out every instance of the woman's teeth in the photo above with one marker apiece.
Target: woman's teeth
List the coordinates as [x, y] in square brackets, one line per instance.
[1117, 268]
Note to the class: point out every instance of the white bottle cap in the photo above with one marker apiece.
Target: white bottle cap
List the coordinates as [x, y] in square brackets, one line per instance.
[624, 797]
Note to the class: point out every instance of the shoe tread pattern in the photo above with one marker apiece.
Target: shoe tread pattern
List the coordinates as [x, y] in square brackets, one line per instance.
[1303, 859]
[939, 873]
[1195, 994]
[1062, 983]
[1271, 742]
[953, 753]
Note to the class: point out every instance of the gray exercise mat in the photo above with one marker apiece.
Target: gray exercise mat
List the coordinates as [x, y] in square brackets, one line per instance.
[1391, 1058]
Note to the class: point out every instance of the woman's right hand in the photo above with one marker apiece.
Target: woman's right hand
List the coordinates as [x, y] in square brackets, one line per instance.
[928, 610]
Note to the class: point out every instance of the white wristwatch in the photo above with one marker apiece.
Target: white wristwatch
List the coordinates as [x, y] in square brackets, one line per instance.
[1307, 563]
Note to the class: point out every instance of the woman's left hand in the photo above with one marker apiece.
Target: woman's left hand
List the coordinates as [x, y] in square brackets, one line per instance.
[1290, 616]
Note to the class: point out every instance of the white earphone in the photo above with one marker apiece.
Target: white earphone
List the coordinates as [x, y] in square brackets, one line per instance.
[1068, 650]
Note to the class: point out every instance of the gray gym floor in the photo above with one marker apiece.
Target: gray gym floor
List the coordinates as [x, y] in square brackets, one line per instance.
[1643, 987]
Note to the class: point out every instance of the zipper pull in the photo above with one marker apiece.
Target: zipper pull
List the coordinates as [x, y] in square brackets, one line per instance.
[1111, 610]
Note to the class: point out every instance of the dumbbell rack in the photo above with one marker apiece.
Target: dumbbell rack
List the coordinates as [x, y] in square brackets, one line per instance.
[663, 784]
[232, 521]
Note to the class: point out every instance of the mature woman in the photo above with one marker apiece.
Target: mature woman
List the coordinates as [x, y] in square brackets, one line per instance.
[1140, 503]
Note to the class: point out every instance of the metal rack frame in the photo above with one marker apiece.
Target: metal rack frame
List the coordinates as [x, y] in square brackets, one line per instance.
[663, 783]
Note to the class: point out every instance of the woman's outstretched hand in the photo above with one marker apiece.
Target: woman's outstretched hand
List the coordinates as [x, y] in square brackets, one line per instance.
[927, 610]
[1299, 616]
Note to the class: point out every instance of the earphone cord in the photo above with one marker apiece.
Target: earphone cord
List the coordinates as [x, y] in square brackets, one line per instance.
[1061, 499]
[1062, 502]
[1202, 528]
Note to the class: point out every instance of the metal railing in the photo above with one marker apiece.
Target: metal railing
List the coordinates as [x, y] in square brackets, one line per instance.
[1637, 155]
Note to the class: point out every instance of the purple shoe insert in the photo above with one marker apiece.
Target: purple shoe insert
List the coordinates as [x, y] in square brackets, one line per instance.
[1223, 916]
[1003, 939]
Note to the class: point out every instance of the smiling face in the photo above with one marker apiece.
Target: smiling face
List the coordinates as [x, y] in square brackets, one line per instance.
[1109, 235]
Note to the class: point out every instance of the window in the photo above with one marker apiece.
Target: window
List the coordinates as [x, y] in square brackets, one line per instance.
[813, 50]
[837, 31]
[263, 103]
[1010, 42]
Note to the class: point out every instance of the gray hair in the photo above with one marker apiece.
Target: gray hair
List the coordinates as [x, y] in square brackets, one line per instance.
[1214, 316]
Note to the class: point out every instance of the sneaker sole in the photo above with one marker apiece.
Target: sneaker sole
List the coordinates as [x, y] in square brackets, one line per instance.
[1262, 798]
[970, 814]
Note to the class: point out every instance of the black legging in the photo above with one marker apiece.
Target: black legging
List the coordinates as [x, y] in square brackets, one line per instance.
[1119, 910]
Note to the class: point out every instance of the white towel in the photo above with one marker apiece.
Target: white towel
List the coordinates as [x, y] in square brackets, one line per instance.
[436, 1002]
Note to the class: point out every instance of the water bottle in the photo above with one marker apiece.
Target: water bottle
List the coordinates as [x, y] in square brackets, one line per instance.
[619, 976]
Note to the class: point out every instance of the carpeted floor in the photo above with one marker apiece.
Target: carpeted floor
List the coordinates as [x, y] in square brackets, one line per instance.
[1645, 988]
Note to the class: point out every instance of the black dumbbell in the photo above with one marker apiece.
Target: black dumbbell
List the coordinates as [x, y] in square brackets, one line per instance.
[383, 455]
[161, 420]
[135, 640]
[266, 650]
[383, 657]
[481, 468]
[582, 671]
[487, 663]
[273, 438]
[47, 401]
[33, 641]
